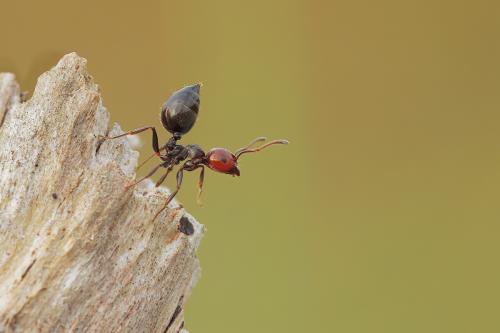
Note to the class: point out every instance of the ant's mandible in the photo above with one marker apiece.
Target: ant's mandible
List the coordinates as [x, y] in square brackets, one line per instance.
[178, 116]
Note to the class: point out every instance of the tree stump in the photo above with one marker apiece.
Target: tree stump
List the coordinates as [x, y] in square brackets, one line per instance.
[78, 253]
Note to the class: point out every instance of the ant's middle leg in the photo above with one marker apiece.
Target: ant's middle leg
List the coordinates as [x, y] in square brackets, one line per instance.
[147, 159]
[162, 178]
[172, 195]
[143, 178]
[137, 131]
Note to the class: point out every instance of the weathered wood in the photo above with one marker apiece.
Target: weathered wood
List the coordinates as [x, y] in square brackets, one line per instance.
[77, 252]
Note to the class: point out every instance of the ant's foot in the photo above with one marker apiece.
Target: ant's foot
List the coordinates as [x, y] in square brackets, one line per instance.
[127, 187]
[101, 139]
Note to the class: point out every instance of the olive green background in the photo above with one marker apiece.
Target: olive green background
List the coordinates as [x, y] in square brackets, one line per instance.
[381, 215]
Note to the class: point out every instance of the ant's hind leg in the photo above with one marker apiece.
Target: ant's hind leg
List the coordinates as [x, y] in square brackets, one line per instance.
[147, 176]
[137, 131]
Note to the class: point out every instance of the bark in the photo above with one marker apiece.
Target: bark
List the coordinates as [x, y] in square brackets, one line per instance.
[77, 252]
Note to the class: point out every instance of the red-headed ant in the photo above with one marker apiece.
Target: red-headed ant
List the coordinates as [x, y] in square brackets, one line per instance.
[178, 116]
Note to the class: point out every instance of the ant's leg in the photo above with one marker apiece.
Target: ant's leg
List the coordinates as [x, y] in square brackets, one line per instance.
[259, 139]
[162, 179]
[253, 150]
[200, 184]
[137, 131]
[147, 176]
[172, 195]
[147, 159]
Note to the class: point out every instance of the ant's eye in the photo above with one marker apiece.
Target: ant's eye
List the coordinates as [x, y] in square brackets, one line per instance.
[179, 113]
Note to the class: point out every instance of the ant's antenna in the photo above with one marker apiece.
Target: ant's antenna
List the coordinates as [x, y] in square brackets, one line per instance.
[254, 141]
[247, 149]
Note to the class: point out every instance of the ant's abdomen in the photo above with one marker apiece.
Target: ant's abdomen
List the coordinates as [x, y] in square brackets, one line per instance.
[179, 113]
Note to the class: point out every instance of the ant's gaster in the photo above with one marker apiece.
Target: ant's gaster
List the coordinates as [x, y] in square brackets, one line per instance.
[178, 116]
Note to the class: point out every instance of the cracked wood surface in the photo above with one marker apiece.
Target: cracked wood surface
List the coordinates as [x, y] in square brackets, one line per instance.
[77, 252]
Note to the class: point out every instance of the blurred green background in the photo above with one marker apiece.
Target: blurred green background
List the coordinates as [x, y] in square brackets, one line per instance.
[381, 216]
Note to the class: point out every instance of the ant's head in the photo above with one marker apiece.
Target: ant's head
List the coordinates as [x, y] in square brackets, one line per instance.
[222, 160]
[180, 111]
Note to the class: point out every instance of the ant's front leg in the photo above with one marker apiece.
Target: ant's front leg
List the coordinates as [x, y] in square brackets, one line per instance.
[137, 131]
[200, 184]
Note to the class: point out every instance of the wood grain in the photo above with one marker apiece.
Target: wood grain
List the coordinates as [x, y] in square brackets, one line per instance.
[77, 252]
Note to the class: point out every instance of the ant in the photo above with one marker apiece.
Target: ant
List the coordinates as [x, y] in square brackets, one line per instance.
[178, 116]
